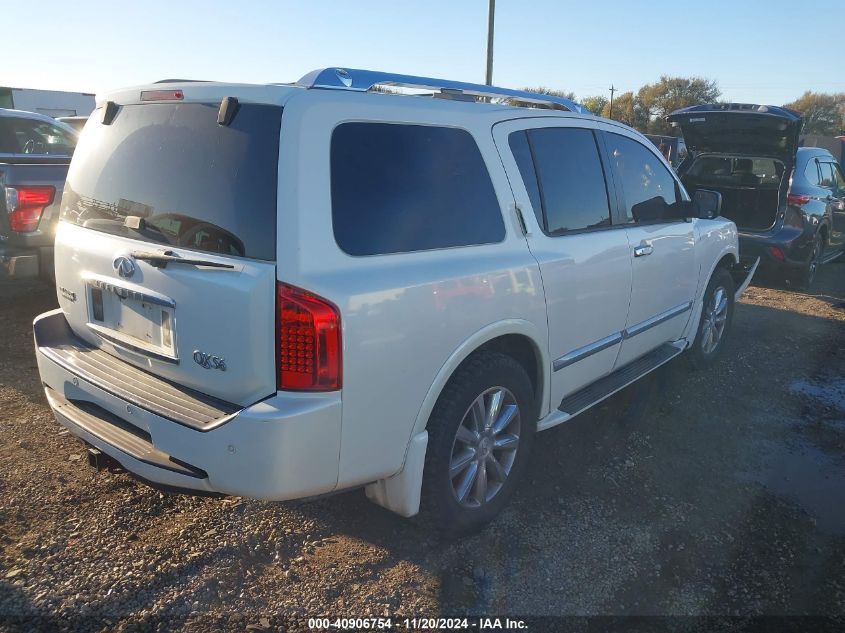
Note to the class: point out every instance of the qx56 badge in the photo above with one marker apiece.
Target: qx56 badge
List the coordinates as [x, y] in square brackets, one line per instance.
[208, 361]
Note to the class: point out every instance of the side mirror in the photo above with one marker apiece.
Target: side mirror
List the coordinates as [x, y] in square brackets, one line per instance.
[707, 204]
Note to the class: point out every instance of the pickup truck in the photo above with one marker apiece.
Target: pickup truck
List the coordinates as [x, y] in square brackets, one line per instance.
[35, 152]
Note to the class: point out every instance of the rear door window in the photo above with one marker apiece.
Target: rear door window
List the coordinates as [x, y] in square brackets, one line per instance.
[187, 181]
[571, 179]
[811, 172]
[400, 188]
[831, 178]
[521, 151]
[649, 189]
[838, 178]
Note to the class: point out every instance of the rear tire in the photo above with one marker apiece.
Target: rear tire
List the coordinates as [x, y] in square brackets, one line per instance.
[808, 274]
[717, 312]
[479, 439]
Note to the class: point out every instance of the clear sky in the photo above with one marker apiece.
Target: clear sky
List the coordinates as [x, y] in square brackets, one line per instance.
[759, 51]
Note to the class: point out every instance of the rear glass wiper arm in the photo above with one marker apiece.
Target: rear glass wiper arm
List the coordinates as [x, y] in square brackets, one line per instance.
[160, 260]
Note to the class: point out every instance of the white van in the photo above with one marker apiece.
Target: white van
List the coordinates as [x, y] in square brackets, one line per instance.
[283, 291]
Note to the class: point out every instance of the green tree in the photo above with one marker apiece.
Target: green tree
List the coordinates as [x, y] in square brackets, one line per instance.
[823, 114]
[551, 92]
[543, 90]
[671, 93]
[595, 104]
[627, 110]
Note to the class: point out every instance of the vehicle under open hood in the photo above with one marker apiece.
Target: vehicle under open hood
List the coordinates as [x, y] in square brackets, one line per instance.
[740, 128]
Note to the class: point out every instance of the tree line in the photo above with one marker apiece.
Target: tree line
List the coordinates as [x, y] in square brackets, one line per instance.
[646, 109]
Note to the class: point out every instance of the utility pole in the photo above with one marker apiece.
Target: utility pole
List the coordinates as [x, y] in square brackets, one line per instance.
[491, 12]
[610, 113]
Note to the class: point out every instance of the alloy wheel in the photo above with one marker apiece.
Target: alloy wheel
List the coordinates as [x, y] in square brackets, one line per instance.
[485, 447]
[715, 318]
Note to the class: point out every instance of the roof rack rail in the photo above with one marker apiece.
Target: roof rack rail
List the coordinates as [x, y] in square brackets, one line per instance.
[181, 81]
[364, 80]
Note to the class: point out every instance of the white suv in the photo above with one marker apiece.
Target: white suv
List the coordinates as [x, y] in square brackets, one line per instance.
[282, 291]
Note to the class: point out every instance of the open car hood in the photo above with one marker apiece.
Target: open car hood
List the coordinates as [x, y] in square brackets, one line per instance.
[739, 128]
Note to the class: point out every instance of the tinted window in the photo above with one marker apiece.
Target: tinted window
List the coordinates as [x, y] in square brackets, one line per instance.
[571, 179]
[838, 178]
[811, 172]
[647, 185]
[518, 142]
[31, 136]
[402, 188]
[195, 183]
[826, 175]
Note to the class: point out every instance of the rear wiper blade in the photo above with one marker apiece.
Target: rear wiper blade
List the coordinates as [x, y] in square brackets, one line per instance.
[160, 260]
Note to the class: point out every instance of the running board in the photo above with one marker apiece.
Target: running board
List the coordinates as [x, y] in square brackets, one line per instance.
[605, 387]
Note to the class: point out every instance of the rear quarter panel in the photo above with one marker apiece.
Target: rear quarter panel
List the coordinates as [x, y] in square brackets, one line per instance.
[405, 317]
[714, 240]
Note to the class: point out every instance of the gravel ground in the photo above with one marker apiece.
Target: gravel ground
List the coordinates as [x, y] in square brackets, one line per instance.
[719, 493]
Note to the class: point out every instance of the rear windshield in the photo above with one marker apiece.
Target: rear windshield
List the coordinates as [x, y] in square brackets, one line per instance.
[192, 182]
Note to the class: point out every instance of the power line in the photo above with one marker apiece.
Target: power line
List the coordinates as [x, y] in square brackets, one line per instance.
[610, 112]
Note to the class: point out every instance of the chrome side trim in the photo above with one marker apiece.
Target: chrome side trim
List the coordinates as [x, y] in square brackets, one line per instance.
[588, 350]
[642, 326]
[128, 290]
[609, 341]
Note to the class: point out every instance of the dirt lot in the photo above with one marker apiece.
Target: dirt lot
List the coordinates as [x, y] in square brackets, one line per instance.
[725, 495]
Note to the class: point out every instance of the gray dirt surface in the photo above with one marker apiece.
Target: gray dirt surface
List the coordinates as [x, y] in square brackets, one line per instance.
[719, 492]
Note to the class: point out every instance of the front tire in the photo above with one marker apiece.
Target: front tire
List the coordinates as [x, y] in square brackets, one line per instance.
[480, 436]
[716, 317]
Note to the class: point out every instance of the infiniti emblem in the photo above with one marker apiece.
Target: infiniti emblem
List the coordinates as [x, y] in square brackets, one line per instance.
[123, 266]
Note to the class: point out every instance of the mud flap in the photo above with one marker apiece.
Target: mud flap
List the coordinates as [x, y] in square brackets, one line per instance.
[742, 274]
[401, 492]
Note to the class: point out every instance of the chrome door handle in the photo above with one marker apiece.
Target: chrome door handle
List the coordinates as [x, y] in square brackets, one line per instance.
[643, 250]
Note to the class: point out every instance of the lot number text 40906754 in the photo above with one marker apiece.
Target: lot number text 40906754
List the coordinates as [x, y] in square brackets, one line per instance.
[417, 624]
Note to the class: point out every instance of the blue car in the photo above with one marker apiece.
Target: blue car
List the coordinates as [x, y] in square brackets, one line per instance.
[788, 202]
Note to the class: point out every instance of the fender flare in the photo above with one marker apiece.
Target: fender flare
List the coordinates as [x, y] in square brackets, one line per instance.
[469, 346]
[692, 326]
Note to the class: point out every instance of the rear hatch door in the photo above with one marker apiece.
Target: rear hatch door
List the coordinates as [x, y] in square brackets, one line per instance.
[744, 129]
[167, 246]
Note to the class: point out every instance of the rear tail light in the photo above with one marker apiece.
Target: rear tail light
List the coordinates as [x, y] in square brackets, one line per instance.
[25, 204]
[308, 338]
[776, 253]
[798, 200]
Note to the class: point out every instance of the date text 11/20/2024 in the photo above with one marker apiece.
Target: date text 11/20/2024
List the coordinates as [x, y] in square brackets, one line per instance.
[417, 624]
